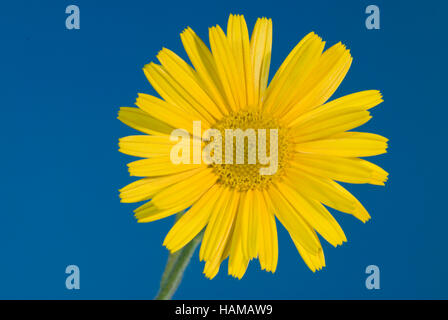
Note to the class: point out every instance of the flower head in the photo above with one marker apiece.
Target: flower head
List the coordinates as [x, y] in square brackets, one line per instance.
[226, 88]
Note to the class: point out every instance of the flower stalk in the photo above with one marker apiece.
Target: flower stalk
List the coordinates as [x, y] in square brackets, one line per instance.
[175, 268]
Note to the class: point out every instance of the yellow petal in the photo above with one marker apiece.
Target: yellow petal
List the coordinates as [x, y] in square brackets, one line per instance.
[318, 188]
[212, 266]
[191, 85]
[219, 226]
[345, 145]
[336, 115]
[146, 146]
[328, 124]
[189, 189]
[359, 211]
[297, 227]
[291, 74]
[360, 136]
[193, 221]
[315, 214]
[205, 66]
[148, 212]
[326, 191]
[145, 188]
[267, 234]
[142, 121]
[238, 37]
[252, 226]
[173, 93]
[351, 170]
[211, 269]
[314, 261]
[260, 51]
[227, 68]
[238, 261]
[321, 83]
[166, 112]
[158, 166]
[248, 222]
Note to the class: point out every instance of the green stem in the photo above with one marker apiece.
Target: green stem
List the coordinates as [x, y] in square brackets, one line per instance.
[175, 267]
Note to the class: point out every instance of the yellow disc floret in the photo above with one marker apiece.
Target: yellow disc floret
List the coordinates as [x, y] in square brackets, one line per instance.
[247, 176]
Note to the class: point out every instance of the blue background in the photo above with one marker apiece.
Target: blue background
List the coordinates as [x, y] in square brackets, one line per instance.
[60, 93]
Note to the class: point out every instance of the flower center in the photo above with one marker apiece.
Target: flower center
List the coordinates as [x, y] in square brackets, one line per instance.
[265, 148]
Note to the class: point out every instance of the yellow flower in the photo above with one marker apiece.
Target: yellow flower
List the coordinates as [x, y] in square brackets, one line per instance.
[227, 88]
